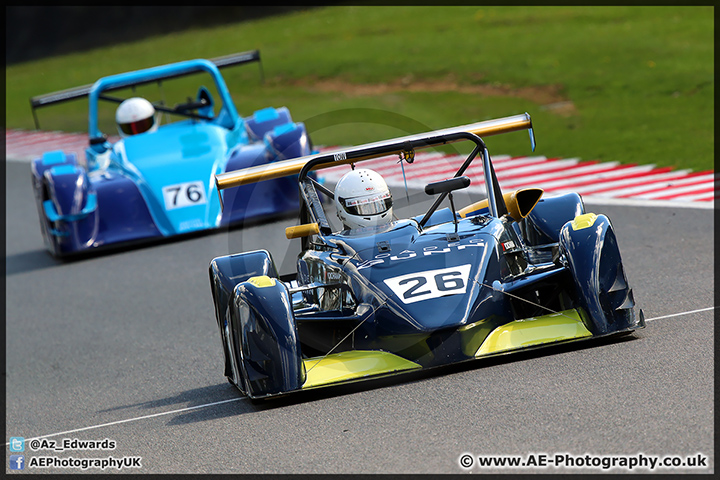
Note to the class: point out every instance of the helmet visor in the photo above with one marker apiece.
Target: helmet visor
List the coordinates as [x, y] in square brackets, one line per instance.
[372, 205]
[139, 126]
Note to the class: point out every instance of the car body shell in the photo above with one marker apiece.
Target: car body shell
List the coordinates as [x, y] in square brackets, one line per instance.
[160, 184]
[510, 273]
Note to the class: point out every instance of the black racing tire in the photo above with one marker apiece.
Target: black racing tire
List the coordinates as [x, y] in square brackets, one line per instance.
[45, 226]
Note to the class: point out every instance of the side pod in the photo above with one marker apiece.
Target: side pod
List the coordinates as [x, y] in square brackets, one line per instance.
[542, 225]
[287, 141]
[264, 120]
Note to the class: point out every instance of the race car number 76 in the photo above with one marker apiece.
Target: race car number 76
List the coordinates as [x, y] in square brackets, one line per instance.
[184, 195]
[414, 287]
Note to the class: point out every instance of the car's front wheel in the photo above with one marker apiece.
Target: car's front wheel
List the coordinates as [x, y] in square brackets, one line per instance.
[589, 247]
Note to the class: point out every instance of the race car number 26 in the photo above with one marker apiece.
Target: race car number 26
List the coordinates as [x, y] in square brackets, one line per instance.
[184, 195]
[415, 287]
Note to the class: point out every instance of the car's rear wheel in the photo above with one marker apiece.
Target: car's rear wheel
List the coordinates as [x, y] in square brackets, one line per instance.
[43, 195]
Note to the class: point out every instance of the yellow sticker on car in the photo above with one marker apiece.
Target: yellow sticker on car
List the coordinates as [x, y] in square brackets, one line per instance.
[262, 281]
[583, 221]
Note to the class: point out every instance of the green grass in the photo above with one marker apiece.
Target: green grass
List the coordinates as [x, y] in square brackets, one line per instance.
[640, 79]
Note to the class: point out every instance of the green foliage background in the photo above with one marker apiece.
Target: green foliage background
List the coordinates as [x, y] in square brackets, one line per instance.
[633, 84]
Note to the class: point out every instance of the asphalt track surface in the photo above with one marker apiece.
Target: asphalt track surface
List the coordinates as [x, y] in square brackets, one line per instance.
[124, 346]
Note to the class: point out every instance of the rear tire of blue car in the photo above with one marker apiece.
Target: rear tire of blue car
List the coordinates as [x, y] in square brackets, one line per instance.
[49, 240]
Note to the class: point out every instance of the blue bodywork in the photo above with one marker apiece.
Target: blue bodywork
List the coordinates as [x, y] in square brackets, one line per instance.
[161, 184]
[505, 274]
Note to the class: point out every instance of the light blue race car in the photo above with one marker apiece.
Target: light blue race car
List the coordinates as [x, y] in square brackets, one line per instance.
[157, 180]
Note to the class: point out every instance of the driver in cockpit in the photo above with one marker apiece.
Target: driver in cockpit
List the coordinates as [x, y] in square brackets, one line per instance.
[363, 199]
[135, 115]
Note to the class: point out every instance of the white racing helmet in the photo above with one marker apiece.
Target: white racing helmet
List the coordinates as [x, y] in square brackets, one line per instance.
[363, 199]
[135, 115]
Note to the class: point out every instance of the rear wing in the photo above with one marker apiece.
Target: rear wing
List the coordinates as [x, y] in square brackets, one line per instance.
[395, 146]
[313, 217]
[83, 91]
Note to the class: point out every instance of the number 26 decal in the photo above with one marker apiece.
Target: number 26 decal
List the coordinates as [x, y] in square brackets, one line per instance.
[418, 286]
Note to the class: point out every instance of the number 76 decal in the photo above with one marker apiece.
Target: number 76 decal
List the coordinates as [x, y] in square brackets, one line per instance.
[184, 195]
[414, 287]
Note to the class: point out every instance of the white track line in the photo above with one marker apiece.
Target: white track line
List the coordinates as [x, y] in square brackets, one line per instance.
[136, 418]
[245, 398]
[681, 313]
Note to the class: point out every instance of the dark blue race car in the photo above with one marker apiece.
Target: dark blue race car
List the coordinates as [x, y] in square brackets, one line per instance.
[512, 272]
[159, 182]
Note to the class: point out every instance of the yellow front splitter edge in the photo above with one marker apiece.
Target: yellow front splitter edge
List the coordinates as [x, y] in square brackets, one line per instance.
[352, 365]
[534, 331]
[529, 332]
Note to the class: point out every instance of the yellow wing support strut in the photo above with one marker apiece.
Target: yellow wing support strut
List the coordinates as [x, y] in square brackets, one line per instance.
[300, 231]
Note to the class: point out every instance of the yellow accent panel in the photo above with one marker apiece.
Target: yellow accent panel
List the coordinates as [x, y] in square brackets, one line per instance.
[473, 335]
[463, 212]
[262, 281]
[302, 230]
[534, 331]
[583, 221]
[518, 207]
[352, 365]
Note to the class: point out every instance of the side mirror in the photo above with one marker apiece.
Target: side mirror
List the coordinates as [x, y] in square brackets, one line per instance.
[447, 186]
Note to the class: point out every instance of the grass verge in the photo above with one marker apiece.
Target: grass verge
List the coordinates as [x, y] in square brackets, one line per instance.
[612, 83]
